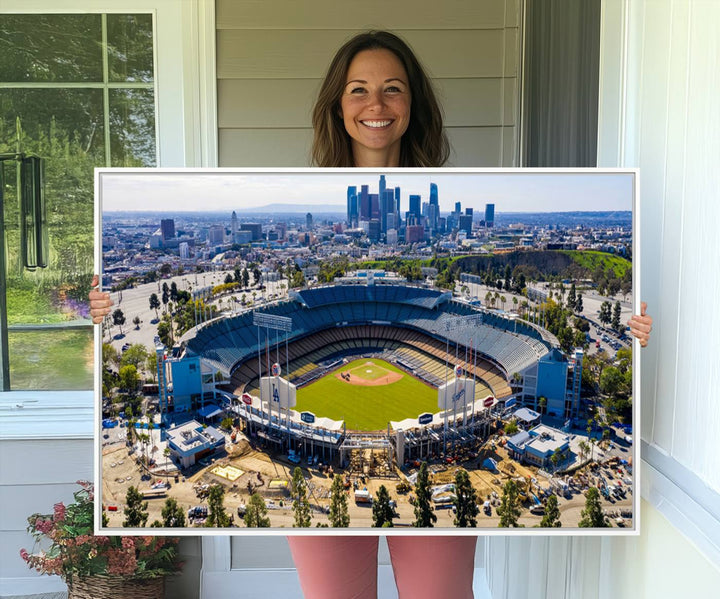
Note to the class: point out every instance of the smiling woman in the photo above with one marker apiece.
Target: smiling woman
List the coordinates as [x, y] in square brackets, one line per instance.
[377, 107]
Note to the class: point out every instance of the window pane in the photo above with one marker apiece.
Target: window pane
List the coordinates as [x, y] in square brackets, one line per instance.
[132, 127]
[65, 127]
[130, 47]
[51, 359]
[50, 48]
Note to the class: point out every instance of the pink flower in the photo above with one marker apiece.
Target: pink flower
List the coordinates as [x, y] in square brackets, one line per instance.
[59, 512]
[25, 555]
[44, 526]
[121, 562]
[128, 543]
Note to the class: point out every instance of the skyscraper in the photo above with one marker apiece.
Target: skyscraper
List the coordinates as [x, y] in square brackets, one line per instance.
[308, 221]
[374, 206]
[489, 215]
[233, 224]
[397, 206]
[364, 202]
[167, 228]
[352, 206]
[414, 205]
[387, 208]
[434, 209]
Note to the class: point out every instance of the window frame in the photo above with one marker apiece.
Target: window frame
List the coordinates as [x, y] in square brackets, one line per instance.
[186, 136]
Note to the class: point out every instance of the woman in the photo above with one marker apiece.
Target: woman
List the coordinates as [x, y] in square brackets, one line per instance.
[377, 108]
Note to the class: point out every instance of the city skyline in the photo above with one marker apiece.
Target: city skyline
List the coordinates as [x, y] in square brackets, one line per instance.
[212, 190]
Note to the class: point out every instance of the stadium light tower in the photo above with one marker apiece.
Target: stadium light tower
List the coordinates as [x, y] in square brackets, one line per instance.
[460, 322]
[276, 323]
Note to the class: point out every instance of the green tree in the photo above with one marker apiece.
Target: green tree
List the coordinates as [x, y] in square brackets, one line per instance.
[592, 515]
[551, 519]
[466, 509]
[129, 379]
[382, 511]
[301, 505]
[511, 427]
[165, 295]
[571, 298]
[616, 316]
[135, 509]
[217, 516]
[151, 365]
[173, 515]
[245, 277]
[611, 381]
[424, 515]
[584, 450]
[339, 516]
[555, 458]
[256, 512]
[542, 404]
[164, 330]
[135, 355]
[508, 278]
[509, 508]
[605, 313]
[154, 304]
[118, 318]
[298, 279]
[579, 303]
[109, 355]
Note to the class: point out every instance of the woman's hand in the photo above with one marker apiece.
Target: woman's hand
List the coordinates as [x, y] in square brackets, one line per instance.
[100, 302]
[640, 326]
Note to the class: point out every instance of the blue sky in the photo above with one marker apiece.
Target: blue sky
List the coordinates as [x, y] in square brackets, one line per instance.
[510, 191]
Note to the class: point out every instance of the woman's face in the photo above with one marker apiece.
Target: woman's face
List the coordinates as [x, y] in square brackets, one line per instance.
[375, 107]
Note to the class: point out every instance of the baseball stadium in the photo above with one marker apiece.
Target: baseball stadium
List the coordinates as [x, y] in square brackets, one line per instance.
[373, 362]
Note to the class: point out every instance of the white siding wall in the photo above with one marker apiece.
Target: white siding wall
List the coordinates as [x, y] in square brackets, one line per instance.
[35, 475]
[271, 57]
[660, 83]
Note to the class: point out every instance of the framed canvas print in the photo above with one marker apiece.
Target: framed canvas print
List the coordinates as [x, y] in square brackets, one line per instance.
[300, 350]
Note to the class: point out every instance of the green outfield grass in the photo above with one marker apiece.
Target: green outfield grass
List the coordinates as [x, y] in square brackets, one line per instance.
[367, 408]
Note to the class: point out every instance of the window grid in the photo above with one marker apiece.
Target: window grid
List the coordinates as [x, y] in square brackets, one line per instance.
[105, 85]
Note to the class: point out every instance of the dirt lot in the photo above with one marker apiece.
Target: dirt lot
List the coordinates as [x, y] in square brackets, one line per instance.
[120, 471]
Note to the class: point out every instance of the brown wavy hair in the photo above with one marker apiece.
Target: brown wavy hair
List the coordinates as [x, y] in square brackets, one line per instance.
[423, 144]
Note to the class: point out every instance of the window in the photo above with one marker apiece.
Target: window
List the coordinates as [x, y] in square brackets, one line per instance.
[78, 90]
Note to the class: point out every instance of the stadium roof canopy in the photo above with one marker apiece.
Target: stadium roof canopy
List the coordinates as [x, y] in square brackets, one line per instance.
[513, 344]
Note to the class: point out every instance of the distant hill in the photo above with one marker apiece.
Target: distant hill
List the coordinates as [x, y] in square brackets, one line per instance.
[545, 263]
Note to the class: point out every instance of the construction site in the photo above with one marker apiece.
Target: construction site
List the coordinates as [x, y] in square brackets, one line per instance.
[246, 467]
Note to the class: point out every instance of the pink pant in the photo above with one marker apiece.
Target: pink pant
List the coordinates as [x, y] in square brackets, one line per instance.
[426, 567]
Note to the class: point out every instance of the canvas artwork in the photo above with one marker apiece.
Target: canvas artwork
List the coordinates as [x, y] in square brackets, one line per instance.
[356, 349]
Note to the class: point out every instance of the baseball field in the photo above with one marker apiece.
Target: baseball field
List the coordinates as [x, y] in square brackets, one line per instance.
[367, 394]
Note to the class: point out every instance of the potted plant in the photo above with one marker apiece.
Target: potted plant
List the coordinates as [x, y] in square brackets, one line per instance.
[98, 567]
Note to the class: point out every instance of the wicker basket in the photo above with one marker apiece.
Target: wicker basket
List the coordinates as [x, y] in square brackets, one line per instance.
[116, 587]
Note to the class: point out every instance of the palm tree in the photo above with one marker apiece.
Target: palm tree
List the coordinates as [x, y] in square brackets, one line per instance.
[166, 453]
[584, 450]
